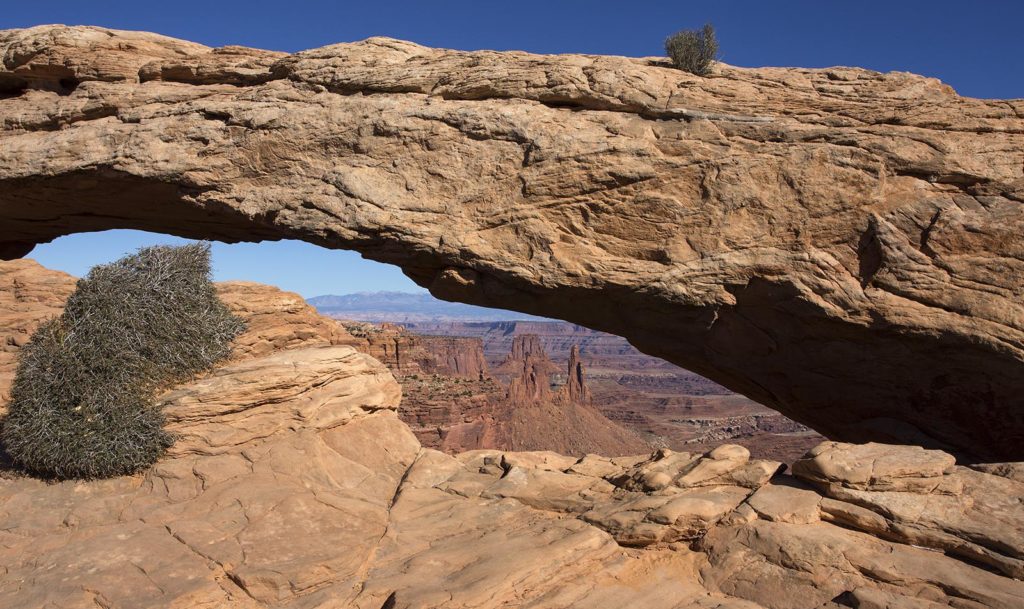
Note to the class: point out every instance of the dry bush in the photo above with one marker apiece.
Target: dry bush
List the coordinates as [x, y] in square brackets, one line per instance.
[82, 400]
[693, 50]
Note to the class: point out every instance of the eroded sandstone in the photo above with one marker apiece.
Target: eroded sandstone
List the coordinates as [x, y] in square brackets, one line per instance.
[293, 483]
[29, 295]
[839, 244]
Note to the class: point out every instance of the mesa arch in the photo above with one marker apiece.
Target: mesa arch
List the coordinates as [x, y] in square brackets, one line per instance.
[841, 245]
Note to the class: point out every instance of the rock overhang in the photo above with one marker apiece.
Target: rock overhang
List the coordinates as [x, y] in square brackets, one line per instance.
[838, 244]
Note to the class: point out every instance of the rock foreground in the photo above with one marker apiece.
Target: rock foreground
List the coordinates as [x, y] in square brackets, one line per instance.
[838, 244]
[438, 374]
[294, 484]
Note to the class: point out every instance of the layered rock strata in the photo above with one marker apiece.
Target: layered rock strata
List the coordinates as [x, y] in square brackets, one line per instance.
[407, 353]
[787, 233]
[683, 410]
[521, 411]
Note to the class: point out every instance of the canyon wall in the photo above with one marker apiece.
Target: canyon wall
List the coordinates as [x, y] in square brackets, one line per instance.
[409, 353]
[452, 402]
[557, 338]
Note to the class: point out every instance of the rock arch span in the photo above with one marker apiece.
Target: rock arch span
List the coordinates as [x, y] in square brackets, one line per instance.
[841, 245]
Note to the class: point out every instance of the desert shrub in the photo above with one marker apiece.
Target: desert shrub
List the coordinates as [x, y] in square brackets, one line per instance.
[82, 399]
[693, 50]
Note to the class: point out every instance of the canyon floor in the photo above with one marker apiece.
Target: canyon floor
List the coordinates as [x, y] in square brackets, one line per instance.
[665, 405]
[294, 483]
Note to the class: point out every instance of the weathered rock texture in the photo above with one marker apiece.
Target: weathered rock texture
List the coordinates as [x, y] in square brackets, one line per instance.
[277, 320]
[293, 484]
[800, 547]
[839, 244]
[29, 295]
[278, 486]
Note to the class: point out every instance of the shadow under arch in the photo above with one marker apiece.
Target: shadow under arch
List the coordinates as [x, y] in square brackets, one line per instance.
[855, 382]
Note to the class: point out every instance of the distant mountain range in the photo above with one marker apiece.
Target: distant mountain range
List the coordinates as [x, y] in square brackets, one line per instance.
[407, 307]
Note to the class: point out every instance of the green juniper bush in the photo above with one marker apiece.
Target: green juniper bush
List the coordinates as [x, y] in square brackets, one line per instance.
[693, 50]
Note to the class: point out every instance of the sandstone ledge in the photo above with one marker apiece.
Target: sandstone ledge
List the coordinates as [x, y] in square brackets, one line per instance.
[294, 484]
[342, 507]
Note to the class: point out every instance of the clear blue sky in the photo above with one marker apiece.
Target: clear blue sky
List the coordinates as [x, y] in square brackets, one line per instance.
[974, 46]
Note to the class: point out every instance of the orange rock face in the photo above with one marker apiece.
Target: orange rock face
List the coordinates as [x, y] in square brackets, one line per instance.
[788, 233]
[530, 369]
[575, 390]
[408, 353]
[277, 320]
[293, 484]
[29, 295]
[456, 357]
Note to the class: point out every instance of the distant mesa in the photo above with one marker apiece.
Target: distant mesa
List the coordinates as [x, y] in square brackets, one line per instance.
[406, 353]
[660, 401]
[407, 307]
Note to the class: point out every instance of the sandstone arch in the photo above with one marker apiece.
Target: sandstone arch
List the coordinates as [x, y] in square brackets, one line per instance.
[838, 244]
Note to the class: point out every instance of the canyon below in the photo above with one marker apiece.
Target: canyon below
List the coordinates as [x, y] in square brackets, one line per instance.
[662, 404]
[828, 251]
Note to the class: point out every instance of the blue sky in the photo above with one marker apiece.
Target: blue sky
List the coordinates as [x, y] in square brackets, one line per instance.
[974, 46]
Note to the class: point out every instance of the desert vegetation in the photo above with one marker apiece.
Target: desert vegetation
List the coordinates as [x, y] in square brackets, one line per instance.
[82, 399]
[693, 51]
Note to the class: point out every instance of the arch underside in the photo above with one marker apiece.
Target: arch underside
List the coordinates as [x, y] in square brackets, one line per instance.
[858, 277]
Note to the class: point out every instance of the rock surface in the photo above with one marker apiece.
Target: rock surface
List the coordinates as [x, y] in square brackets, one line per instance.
[29, 295]
[277, 320]
[278, 485]
[788, 233]
[294, 484]
[919, 497]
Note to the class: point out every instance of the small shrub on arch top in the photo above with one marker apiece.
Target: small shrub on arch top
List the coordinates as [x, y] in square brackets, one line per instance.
[82, 399]
[693, 50]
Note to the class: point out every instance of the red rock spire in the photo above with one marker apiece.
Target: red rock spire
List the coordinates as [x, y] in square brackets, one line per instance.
[575, 389]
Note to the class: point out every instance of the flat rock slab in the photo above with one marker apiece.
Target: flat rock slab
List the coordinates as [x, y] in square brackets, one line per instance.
[919, 497]
[786, 503]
